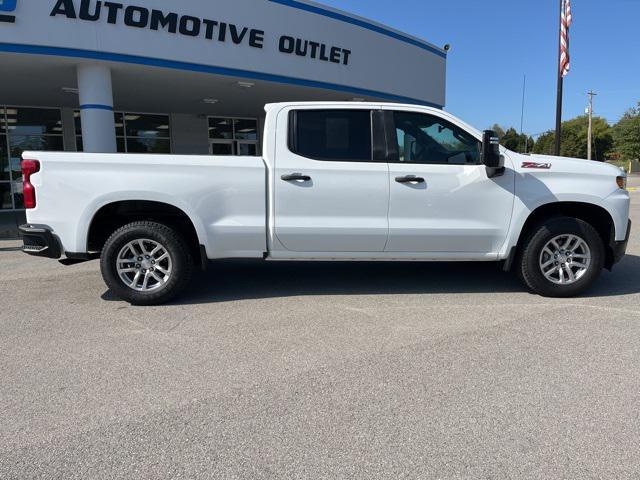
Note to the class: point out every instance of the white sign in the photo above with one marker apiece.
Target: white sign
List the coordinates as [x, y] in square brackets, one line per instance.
[285, 41]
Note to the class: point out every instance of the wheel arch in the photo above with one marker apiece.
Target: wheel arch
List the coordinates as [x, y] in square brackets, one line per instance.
[596, 215]
[113, 215]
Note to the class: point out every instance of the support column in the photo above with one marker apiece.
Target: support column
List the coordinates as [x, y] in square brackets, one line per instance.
[96, 108]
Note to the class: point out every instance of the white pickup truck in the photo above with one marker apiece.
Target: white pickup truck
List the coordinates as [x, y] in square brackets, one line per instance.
[337, 182]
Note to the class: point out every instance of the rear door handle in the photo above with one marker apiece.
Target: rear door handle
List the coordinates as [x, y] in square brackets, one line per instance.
[410, 179]
[294, 177]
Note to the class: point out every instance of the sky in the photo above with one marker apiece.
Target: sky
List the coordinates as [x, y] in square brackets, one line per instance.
[494, 44]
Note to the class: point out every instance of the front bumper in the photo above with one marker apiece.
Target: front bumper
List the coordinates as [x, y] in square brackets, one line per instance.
[39, 241]
[619, 249]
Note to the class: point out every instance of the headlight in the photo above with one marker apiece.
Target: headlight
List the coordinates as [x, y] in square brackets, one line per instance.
[622, 182]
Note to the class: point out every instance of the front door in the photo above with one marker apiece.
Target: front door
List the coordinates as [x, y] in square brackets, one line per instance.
[441, 198]
[330, 195]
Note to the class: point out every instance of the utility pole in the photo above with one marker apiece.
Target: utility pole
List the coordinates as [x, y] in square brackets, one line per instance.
[590, 134]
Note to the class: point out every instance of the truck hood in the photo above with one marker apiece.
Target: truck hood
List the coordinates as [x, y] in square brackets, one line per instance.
[549, 163]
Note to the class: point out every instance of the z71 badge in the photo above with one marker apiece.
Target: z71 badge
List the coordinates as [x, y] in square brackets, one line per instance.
[545, 166]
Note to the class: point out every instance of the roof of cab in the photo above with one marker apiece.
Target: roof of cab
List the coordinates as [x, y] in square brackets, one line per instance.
[399, 106]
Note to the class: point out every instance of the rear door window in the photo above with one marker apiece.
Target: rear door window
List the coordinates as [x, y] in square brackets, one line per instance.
[331, 135]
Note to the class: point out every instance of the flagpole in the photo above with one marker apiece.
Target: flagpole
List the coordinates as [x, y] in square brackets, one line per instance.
[560, 85]
[524, 90]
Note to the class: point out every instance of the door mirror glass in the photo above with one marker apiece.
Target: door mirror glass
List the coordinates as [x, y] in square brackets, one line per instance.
[491, 150]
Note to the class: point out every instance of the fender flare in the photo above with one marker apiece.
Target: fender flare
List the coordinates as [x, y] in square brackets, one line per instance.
[92, 209]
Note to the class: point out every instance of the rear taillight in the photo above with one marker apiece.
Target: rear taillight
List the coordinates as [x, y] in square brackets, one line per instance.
[29, 167]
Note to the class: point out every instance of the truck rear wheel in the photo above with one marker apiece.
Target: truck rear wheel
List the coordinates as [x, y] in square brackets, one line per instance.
[146, 263]
[561, 257]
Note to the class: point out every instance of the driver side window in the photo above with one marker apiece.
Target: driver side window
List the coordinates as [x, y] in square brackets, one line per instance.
[428, 139]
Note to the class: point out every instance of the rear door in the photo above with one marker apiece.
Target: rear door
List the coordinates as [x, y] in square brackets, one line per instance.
[442, 199]
[331, 194]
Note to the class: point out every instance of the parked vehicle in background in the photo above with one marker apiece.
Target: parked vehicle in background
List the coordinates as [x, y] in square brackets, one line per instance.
[337, 181]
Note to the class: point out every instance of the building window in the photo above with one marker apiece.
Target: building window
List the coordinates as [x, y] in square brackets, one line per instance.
[24, 129]
[233, 136]
[136, 132]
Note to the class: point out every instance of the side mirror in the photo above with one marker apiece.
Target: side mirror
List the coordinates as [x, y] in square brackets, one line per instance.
[491, 150]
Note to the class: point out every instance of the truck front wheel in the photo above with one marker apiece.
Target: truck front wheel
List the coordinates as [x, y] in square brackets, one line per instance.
[561, 257]
[146, 263]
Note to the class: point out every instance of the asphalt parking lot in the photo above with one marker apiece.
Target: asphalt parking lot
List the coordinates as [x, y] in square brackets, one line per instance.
[319, 371]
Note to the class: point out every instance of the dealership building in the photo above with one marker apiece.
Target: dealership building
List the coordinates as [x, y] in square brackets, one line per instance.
[188, 77]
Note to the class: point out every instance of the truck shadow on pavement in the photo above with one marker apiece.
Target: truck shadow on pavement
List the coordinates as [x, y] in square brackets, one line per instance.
[237, 280]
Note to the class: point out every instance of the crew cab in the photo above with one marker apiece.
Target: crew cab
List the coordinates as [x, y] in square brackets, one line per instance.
[336, 182]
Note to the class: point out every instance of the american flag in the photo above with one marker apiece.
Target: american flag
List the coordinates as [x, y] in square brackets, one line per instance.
[565, 23]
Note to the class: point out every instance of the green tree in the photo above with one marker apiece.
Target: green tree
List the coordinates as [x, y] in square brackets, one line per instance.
[516, 142]
[512, 140]
[499, 130]
[545, 143]
[626, 135]
[574, 139]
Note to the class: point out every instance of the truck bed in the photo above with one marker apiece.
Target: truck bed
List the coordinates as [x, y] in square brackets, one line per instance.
[224, 196]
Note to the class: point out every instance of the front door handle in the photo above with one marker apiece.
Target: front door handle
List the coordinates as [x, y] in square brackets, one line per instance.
[410, 179]
[295, 177]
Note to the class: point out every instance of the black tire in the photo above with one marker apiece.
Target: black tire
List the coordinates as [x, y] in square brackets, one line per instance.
[173, 243]
[529, 269]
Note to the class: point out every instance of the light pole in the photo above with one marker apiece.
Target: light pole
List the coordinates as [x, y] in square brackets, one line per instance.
[590, 134]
